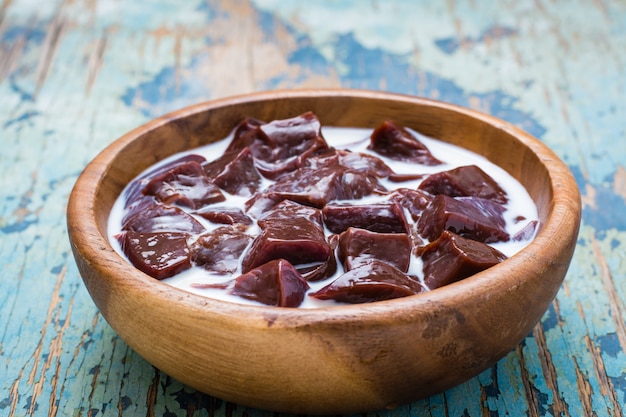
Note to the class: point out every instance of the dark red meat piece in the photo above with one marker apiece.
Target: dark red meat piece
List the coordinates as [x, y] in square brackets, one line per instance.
[186, 185]
[293, 232]
[452, 258]
[160, 255]
[244, 134]
[398, 144]
[358, 247]
[415, 201]
[527, 231]
[219, 250]
[356, 161]
[224, 215]
[316, 271]
[464, 181]
[317, 187]
[160, 218]
[289, 211]
[134, 190]
[282, 145]
[276, 283]
[405, 177]
[143, 202]
[377, 217]
[235, 173]
[470, 217]
[364, 163]
[375, 281]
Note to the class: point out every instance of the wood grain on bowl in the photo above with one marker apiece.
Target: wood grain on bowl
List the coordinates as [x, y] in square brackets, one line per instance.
[343, 359]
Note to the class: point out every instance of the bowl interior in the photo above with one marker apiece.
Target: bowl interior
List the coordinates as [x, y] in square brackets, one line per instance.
[209, 122]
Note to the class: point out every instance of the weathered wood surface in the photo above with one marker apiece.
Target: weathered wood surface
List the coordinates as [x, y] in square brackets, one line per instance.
[74, 75]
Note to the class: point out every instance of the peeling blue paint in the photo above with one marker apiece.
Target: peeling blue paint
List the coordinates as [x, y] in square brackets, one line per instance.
[210, 11]
[194, 400]
[309, 57]
[491, 389]
[601, 218]
[609, 344]
[358, 66]
[125, 402]
[161, 93]
[57, 269]
[550, 319]
[29, 404]
[450, 45]
[24, 117]
[18, 226]
[161, 87]
[267, 24]
[23, 94]
[597, 215]
[578, 176]
[367, 67]
[619, 383]
[615, 244]
[32, 34]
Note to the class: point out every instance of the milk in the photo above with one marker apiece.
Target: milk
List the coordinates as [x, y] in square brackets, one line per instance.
[356, 140]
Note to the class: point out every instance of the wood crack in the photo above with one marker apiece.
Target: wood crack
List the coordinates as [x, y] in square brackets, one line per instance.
[585, 391]
[9, 61]
[37, 354]
[615, 306]
[95, 62]
[606, 385]
[48, 51]
[549, 372]
[152, 394]
[3, 10]
[529, 389]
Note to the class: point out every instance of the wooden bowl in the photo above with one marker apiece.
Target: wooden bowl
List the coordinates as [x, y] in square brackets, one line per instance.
[342, 359]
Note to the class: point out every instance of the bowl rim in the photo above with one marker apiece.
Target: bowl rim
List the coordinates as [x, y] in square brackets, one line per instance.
[563, 215]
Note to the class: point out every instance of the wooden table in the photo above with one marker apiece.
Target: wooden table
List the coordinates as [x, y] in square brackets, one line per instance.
[75, 75]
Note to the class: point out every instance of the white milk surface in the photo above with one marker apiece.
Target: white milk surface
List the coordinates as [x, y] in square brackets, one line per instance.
[354, 139]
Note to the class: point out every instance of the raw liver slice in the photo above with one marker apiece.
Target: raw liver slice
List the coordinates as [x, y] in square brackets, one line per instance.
[219, 250]
[160, 218]
[244, 134]
[281, 146]
[186, 185]
[160, 255]
[275, 283]
[452, 258]
[235, 173]
[469, 217]
[374, 281]
[293, 232]
[134, 190]
[414, 201]
[224, 215]
[378, 217]
[398, 144]
[464, 181]
[359, 246]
